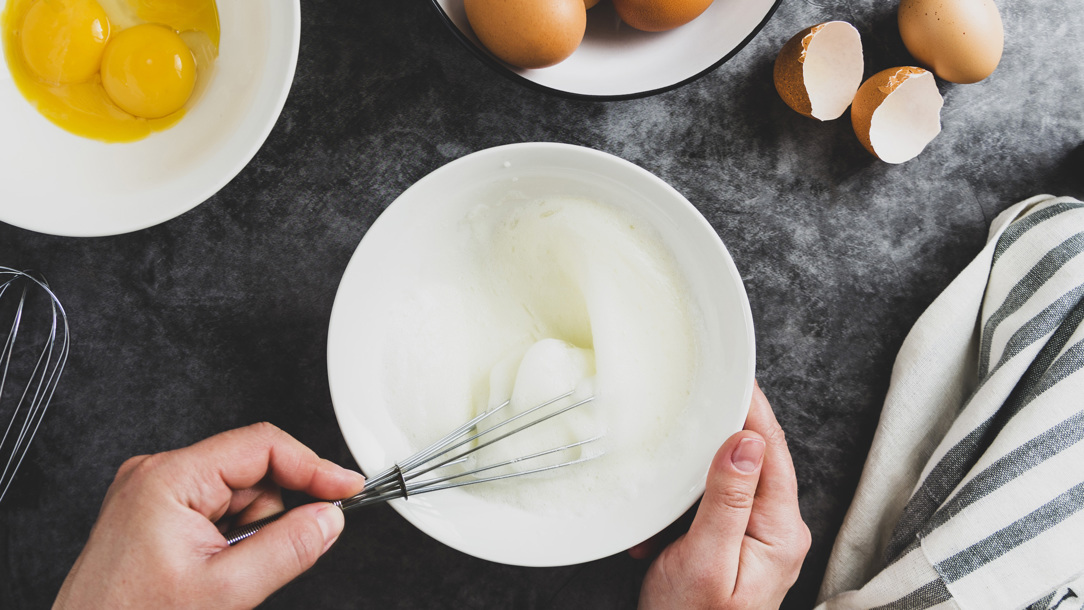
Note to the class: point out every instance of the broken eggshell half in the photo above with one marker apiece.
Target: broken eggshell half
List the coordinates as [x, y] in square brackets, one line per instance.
[819, 70]
[897, 112]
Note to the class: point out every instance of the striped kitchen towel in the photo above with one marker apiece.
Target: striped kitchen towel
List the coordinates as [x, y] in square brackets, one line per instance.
[972, 492]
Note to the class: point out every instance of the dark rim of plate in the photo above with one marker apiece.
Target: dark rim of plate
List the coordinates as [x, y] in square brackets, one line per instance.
[500, 68]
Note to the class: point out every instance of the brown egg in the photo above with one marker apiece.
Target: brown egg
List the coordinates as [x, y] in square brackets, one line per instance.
[960, 40]
[531, 34]
[590, 3]
[659, 15]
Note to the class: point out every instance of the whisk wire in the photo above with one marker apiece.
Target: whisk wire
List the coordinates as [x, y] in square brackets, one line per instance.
[402, 479]
[418, 473]
[444, 447]
[442, 483]
[396, 484]
[447, 445]
[435, 484]
[41, 385]
[430, 452]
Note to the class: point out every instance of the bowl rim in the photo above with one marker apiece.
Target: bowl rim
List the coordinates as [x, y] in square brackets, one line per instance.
[224, 177]
[336, 391]
[500, 68]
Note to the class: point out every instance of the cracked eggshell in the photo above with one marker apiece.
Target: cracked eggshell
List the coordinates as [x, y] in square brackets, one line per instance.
[819, 70]
[960, 40]
[897, 112]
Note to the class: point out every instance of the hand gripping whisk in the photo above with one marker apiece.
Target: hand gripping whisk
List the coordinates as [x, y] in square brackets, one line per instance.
[404, 478]
[35, 337]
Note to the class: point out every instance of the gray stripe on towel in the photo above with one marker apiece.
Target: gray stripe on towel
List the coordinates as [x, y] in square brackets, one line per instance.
[1071, 361]
[957, 461]
[1042, 604]
[1053, 316]
[1024, 289]
[1036, 374]
[904, 553]
[1011, 536]
[1013, 464]
[1017, 229]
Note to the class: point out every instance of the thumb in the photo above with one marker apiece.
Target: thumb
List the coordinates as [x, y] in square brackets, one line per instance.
[719, 528]
[278, 553]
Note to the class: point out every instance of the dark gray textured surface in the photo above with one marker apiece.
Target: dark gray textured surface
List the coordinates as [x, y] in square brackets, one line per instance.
[219, 318]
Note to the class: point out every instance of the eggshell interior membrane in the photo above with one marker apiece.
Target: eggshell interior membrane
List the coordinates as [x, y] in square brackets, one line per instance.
[907, 117]
[832, 69]
[819, 70]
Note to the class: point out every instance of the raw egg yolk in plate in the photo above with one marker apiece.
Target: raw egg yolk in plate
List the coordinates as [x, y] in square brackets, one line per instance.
[112, 70]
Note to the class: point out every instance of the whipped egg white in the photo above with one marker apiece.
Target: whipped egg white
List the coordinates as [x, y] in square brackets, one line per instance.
[530, 300]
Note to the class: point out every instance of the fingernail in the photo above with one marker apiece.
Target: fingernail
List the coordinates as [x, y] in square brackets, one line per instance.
[330, 519]
[354, 477]
[747, 455]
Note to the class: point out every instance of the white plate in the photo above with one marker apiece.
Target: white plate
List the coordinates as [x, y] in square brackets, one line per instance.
[55, 182]
[391, 258]
[616, 61]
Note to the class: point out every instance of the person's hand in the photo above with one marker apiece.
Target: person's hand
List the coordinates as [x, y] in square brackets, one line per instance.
[747, 541]
[156, 544]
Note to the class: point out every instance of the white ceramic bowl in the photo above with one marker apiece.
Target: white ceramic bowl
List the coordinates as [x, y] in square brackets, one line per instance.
[399, 246]
[616, 61]
[55, 182]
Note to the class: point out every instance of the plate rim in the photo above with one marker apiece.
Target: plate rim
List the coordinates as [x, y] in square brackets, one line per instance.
[503, 70]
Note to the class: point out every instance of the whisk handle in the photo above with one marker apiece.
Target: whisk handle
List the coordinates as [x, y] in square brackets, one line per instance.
[237, 535]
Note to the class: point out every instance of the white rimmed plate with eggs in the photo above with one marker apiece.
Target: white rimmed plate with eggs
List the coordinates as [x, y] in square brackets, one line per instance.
[90, 148]
[613, 50]
[516, 274]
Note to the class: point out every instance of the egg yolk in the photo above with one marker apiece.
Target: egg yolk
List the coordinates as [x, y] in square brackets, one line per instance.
[148, 71]
[63, 40]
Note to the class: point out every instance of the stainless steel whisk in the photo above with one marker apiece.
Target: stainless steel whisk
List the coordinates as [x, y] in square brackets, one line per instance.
[46, 347]
[402, 479]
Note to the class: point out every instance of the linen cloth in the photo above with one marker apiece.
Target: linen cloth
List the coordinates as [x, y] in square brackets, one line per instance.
[972, 492]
